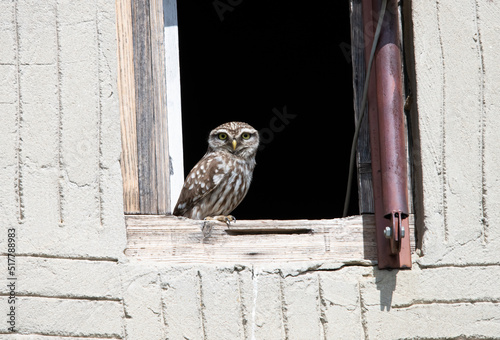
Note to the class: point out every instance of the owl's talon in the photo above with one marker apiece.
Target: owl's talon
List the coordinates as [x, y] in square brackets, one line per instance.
[229, 219]
[222, 218]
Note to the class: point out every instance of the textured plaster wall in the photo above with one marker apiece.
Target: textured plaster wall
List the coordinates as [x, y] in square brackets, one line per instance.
[60, 181]
[456, 57]
[60, 188]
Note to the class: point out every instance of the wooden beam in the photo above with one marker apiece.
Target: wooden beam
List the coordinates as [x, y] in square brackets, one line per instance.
[180, 240]
[160, 106]
[126, 91]
[146, 132]
[363, 157]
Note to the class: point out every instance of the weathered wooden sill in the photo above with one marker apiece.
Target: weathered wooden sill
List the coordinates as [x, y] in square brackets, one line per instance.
[181, 240]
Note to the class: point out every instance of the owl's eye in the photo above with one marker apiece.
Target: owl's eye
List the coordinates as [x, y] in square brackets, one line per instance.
[245, 135]
[222, 136]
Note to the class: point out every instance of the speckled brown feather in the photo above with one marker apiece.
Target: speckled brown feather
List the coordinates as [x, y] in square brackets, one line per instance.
[207, 167]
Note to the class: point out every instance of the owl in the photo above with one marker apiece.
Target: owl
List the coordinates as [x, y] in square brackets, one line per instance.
[220, 180]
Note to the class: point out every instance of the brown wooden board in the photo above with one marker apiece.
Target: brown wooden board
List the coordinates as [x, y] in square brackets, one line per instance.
[180, 240]
[142, 90]
[146, 136]
[363, 156]
[160, 106]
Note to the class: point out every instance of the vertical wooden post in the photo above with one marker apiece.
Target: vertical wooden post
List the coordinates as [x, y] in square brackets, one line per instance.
[363, 156]
[160, 106]
[145, 160]
[146, 132]
[126, 91]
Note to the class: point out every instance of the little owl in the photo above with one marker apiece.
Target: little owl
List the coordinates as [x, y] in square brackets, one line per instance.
[220, 180]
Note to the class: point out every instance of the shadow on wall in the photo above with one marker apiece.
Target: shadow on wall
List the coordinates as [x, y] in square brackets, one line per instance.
[386, 285]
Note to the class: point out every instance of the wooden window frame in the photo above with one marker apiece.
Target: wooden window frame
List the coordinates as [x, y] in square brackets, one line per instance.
[150, 110]
[149, 88]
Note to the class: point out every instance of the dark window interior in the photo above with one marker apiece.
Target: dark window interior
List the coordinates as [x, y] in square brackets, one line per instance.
[247, 60]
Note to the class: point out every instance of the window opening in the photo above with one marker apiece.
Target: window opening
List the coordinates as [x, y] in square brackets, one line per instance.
[284, 68]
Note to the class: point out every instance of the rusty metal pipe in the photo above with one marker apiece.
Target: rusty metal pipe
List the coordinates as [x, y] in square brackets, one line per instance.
[387, 139]
[391, 116]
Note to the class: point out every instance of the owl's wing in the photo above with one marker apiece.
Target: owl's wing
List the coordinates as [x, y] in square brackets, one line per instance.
[206, 175]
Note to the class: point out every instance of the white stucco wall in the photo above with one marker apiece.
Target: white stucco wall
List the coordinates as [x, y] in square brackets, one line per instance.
[60, 189]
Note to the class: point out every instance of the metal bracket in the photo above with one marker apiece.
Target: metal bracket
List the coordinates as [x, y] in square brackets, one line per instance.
[396, 231]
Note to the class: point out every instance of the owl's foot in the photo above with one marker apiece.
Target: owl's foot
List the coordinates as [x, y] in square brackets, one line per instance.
[222, 218]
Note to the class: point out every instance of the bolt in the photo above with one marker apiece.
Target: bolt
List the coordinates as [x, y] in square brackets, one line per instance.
[388, 232]
[402, 231]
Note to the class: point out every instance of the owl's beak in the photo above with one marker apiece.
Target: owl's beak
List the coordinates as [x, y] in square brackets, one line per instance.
[234, 144]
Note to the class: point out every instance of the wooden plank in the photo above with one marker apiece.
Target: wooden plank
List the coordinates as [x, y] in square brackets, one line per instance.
[146, 133]
[126, 90]
[145, 117]
[160, 106]
[363, 156]
[180, 240]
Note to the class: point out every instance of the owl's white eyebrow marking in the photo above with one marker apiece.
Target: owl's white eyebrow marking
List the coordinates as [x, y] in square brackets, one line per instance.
[216, 132]
[247, 131]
